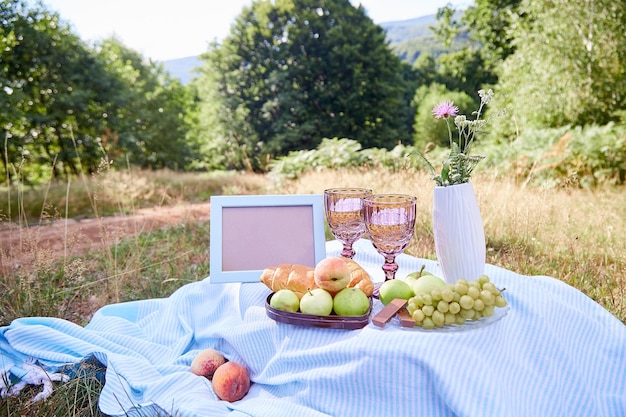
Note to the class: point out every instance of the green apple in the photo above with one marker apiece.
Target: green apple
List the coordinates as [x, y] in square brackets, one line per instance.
[394, 288]
[351, 302]
[285, 300]
[317, 301]
[413, 276]
[426, 283]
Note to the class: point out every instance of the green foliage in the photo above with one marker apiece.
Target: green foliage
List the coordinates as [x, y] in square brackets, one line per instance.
[477, 40]
[331, 153]
[464, 70]
[226, 139]
[291, 73]
[65, 107]
[338, 153]
[581, 156]
[587, 157]
[52, 85]
[148, 111]
[486, 24]
[595, 155]
[568, 68]
[425, 69]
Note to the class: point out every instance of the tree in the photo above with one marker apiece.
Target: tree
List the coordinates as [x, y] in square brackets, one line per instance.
[148, 112]
[489, 26]
[64, 106]
[568, 67]
[465, 71]
[293, 72]
[486, 27]
[54, 113]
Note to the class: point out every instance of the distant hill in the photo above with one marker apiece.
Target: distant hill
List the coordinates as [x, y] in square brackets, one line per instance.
[410, 38]
[401, 30]
[183, 68]
[407, 38]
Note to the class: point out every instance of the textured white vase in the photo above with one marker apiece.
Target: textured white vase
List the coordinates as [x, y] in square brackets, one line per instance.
[459, 233]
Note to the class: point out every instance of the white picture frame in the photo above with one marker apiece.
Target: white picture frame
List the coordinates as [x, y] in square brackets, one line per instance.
[249, 233]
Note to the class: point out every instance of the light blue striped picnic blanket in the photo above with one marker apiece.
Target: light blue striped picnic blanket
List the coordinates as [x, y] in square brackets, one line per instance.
[555, 353]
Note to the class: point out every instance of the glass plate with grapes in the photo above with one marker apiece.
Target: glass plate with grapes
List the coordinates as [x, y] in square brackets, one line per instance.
[456, 307]
[471, 324]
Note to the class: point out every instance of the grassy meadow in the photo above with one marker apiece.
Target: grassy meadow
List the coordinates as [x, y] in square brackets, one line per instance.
[575, 235]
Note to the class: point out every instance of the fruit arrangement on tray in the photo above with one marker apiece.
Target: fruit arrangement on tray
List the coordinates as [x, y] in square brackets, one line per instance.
[335, 293]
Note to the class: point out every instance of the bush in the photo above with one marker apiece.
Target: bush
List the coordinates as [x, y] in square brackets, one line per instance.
[339, 153]
[584, 156]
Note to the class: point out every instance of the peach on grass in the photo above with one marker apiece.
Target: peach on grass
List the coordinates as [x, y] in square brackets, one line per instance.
[206, 362]
[332, 274]
[231, 381]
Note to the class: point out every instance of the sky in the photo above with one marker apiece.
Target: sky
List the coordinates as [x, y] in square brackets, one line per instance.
[160, 31]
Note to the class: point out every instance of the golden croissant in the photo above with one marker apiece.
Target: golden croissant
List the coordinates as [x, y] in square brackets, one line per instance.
[360, 278]
[300, 278]
[297, 278]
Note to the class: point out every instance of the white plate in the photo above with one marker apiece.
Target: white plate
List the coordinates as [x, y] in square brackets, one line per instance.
[498, 314]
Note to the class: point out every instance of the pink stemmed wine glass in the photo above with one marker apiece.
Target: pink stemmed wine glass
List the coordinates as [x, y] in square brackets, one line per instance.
[344, 214]
[390, 223]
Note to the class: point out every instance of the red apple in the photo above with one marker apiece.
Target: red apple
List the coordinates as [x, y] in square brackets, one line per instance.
[332, 274]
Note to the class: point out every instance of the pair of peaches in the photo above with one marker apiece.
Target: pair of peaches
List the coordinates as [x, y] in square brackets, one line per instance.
[230, 380]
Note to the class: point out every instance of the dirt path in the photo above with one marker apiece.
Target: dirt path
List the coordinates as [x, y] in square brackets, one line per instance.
[75, 237]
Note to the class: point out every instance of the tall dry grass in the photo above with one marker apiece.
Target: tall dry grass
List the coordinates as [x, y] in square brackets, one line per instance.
[115, 192]
[51, 264]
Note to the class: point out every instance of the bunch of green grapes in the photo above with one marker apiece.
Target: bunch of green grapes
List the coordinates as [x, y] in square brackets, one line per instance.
[456, 303]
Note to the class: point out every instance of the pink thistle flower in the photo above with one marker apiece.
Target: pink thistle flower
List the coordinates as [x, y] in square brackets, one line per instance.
[445, 109]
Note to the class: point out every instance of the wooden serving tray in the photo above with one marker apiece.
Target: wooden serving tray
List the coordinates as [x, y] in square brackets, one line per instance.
[309, 320]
